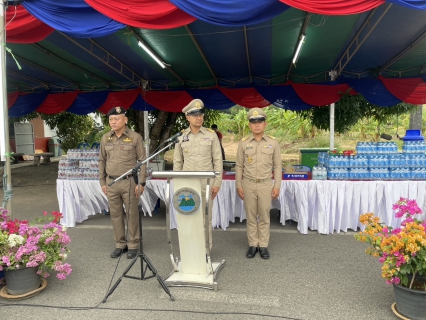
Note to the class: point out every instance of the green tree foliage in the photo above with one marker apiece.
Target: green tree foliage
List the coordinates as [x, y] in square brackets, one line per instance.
[280, 122]
[351, 109]
[71, 128]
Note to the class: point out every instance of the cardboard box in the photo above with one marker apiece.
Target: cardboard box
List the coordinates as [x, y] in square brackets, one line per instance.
[297, 172]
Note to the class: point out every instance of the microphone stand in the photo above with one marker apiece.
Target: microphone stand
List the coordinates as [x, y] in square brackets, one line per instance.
[141, 255]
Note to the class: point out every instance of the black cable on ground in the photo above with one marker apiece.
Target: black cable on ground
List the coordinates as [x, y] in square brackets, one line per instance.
[146, 309]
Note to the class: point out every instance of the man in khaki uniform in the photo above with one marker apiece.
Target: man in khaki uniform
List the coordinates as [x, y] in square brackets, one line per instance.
[120, 150]
[257, 155]
[199, 150]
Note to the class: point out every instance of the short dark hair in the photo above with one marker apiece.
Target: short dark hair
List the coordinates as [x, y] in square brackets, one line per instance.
[214, 126]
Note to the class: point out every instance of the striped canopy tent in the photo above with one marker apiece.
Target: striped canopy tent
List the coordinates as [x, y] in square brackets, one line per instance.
[87, 55]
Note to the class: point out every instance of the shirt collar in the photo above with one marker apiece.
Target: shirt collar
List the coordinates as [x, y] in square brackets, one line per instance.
[251, 137]
[125, 132]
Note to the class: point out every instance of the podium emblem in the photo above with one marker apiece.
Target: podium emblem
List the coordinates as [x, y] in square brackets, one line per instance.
[186, 201]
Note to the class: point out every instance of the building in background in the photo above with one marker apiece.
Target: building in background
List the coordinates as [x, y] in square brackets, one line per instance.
[42, 134]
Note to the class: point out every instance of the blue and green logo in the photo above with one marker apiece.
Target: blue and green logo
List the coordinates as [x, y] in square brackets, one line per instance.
[186, 201]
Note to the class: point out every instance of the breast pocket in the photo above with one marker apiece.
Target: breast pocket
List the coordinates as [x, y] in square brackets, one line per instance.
[126, 152]
[186, 148]
[109, 150]
[267, 155]
[249, 156]
[205, 147]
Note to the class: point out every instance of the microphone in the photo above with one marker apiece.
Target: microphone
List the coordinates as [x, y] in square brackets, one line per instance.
[174, 137]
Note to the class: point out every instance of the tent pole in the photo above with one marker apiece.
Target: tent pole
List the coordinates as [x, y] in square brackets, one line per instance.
[333, 75]
[146, 132]
[5, 150]
[332, 127]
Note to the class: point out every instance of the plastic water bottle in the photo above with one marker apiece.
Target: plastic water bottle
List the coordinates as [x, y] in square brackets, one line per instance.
[323, 173]
[315, 173]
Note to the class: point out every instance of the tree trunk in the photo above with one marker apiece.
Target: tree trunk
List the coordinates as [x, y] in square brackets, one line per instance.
[313, 131]
[168, 127]
[362, 133]
[137, 117]
[416, 121]
[162, 128]
[156, 129]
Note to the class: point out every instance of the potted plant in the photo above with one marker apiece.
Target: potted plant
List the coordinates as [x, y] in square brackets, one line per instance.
[402, 252]
[28, 252]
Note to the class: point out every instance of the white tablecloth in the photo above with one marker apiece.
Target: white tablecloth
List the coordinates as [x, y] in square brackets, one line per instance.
[329, 206]
[326, 206]
[226, 206]
[79, 199]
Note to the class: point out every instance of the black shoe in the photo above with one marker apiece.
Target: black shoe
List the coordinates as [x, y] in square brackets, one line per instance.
[264, 254]
[132, 253]
[251, 252]
[117, 252]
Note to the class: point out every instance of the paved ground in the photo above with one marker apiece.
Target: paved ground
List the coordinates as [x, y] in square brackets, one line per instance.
[307, 277]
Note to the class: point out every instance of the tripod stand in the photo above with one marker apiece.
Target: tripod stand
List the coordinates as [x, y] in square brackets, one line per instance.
[141, 255]
[143, 258]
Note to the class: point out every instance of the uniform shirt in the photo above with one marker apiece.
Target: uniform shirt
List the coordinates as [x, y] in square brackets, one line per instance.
[119, 155]
[256, 159]
[199, 152]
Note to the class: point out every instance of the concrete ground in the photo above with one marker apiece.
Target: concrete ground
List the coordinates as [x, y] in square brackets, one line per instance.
[309, 276]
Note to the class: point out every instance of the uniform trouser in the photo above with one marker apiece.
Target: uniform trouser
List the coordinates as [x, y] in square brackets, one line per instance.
[203, 196]
[257, 203]
[118, 194]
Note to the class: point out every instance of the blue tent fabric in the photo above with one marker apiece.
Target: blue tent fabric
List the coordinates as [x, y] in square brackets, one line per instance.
[26, 104]
[212, 98]
[413, 4]
[73, 17]
[231, 13]
[141, 105]
[86, 103]
[283, 97]
[76, 18]
[373, 91]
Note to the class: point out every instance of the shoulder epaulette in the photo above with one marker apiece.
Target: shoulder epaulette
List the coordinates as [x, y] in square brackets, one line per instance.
[273, 138]
[211, 130]
[244, 139]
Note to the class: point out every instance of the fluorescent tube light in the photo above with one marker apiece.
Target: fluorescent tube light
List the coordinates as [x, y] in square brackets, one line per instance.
[299, 48]
[153, 56]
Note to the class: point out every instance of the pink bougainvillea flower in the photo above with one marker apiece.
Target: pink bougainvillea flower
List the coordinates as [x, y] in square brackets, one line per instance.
[25, 245]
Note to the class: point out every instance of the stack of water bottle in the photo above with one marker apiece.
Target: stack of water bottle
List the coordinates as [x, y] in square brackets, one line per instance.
[378, 161]
[414, 147]
[81, 164]
[319, 172]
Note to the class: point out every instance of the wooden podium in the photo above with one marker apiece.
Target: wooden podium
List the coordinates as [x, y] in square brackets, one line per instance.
[193, 213]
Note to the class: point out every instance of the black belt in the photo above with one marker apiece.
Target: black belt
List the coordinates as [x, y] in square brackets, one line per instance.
[126, 177]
